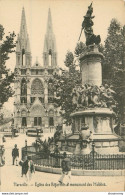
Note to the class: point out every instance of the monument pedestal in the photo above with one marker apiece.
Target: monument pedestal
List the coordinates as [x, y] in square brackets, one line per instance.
[93, 111]
[90, 65]
[100, 122]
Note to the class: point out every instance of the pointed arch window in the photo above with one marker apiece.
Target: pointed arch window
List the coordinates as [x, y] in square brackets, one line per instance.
[45, 61]
[23, 57]
[50, 91]
[23, 87]
[37, 87]
[18, 59]
[23, 97]
[50, 88]
[50, 57]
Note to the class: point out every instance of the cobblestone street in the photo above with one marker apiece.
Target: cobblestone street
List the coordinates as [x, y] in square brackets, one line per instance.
[11, 179]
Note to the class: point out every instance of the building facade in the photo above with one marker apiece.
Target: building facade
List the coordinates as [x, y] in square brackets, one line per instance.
[33, 105]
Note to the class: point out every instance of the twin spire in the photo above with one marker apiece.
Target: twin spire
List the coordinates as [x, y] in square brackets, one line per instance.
[23, 27]
[49, 23]
[49, 41]
[23, 38]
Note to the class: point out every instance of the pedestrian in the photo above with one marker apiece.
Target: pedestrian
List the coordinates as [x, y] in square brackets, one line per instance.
[15, 154]
[31, 168]
[24, 165]
[66, 168]
[3, 139]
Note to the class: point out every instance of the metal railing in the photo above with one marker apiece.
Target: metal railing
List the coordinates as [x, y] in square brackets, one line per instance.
[92, 161]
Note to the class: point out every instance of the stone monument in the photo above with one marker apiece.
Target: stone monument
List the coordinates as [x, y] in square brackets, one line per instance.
[94, 102]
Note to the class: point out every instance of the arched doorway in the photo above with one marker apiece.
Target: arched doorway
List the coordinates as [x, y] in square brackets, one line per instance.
[24, 118]
[37, 113]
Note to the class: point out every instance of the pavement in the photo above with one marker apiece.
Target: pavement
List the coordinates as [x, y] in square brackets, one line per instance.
[11, 180]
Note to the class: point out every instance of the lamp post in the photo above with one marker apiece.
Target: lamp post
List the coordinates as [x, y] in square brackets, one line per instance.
[65, 140]
[26, 143]
[93, 152]
[26, 146]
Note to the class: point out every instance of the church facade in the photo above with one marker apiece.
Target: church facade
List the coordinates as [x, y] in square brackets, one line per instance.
[33, 105]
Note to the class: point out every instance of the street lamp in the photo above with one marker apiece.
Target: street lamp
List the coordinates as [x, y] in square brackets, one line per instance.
[65, 140]
[26, 143]
[93, 152]
[93, 146]
[26, 146]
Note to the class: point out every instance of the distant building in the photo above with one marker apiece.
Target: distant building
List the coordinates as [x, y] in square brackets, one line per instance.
[33, 84]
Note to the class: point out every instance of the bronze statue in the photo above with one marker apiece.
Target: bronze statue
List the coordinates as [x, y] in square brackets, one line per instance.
[88, 30]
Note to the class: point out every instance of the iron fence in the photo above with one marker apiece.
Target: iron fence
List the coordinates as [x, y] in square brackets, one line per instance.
[92, 161]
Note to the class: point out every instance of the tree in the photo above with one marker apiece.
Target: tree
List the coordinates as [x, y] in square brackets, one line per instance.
[113, 50]
[64, 84]
[119, 83]
[114, 65]
[6, 77]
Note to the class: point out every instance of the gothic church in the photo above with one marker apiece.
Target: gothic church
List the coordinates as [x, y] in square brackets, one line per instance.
[33, 105]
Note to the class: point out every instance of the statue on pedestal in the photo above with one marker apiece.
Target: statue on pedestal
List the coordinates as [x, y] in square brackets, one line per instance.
[88, 30]
[85, 137]
[83, 146]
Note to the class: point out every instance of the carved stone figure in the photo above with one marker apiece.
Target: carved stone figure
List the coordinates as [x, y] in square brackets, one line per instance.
[88, 30]
[93, 96]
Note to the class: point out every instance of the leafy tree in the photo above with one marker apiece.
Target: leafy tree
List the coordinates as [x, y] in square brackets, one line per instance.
[79, 48]
[64, 84]
[6, 77]
[114, 65]
[113, 50]
[118, 82]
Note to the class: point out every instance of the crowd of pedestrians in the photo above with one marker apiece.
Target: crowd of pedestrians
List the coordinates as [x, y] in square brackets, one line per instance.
[27, 166]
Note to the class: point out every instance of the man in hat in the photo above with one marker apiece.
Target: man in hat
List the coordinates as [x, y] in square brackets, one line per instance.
[66, 168]
[24, 165]
[31, 168]
[15, 154]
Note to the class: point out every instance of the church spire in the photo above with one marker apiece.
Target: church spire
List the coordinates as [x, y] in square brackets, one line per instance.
[23, 28]
[49, 23]
[49, 51]
[23, 44]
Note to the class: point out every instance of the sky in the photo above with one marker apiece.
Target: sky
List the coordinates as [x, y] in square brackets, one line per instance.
[67, 17]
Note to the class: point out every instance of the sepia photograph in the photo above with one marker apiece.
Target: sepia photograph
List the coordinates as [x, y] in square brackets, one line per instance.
[62, 96]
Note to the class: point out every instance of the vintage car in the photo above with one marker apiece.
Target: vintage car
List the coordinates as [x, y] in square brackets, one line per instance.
[34, 131]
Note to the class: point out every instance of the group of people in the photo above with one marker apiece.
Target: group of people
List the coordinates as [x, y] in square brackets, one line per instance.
[28, 168]
[27, 165]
